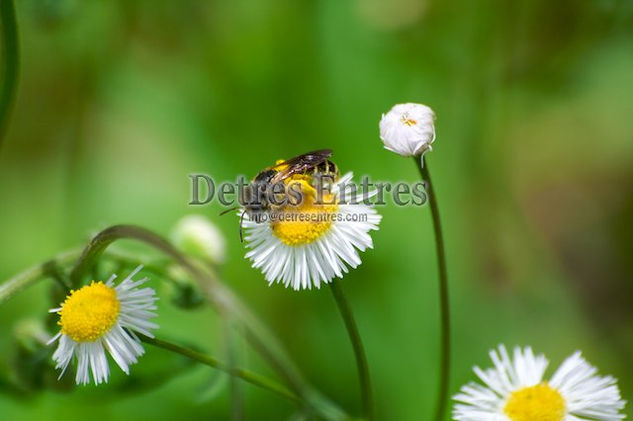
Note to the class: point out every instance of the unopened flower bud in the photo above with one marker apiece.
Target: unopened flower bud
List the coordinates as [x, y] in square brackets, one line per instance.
[198, 236]
[407, 129]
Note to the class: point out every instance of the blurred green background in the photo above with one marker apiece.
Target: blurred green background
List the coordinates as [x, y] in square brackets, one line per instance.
[119, 101]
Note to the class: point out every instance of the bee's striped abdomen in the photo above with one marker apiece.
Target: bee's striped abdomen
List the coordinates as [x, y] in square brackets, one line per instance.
[326, 167]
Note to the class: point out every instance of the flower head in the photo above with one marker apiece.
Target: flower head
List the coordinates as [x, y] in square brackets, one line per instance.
[515, 390]
[100, 317]
[309, 244]
[197, 235]
[407, 129]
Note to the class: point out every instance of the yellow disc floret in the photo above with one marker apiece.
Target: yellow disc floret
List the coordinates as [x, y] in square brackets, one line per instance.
[408, 121]
[540, 402]
[305, 222]
[89, 312]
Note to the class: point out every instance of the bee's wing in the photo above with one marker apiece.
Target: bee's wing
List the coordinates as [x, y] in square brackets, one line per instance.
[299, 164]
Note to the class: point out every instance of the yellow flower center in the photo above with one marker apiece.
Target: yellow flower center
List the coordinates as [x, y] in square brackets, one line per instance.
[306, 222]
[408, 121]
[540, 402]
[89, 312]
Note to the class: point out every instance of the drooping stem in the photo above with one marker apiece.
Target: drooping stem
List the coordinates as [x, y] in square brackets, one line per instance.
[10, 59]
[224, 301]
[221, 297]
[357, 345]
[445, 351]
[32, 275]
[248, 376]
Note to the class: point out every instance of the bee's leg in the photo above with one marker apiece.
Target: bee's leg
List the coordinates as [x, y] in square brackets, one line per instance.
[241, 223]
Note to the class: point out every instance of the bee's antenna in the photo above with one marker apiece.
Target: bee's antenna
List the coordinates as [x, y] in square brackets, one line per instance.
[229, 210]
[241, 221]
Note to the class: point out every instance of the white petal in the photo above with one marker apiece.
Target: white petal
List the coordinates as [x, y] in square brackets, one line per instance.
[587, 395]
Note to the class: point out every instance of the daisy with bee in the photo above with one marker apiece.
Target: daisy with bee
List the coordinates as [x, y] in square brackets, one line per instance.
[295, 226]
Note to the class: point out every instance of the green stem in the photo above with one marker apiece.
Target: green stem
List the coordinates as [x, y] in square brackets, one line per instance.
[157, 269]
[445, 352]
[248, 376]
[32, 275]
[224, 301]
[10, 53]
[237, 412]
[357, 344]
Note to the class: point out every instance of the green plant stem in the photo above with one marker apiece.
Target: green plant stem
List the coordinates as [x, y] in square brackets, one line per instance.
[153, 268]
[248, 376]
[50, 269]
[32, 275]
[237, 412]
[223, 300]
[445, 352]
[357, 344]
[10, 60]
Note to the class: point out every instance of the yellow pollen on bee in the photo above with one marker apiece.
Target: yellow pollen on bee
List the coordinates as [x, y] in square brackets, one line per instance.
[540, 402]
[89, 312]
[307, 222]
[278, 165]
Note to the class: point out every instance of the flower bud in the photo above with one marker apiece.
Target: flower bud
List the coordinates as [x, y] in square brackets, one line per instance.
[198, 236]
[407, 129]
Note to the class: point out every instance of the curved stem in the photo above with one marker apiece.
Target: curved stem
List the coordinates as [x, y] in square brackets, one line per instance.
[224, 301]
[33, 275]
[248, 376]
[222, 298]
[445, 352]
[151, 267]
[10, 53]
[357, 344]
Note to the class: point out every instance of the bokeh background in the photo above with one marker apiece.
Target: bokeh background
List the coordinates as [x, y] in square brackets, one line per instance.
[118, 101]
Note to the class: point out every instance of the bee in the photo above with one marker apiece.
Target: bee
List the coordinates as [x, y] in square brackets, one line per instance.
[315, 164]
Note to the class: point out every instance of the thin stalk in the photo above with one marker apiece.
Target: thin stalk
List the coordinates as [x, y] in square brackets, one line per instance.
[237, 412]
[34, 274]
[155, 268]
[10, 59]
[225, 303]
[445, 352]
[246, 375]
[359, 351]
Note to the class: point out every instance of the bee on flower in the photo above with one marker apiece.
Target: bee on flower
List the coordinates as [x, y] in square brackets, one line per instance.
[103, 317]
[308, 243]
[516, 390]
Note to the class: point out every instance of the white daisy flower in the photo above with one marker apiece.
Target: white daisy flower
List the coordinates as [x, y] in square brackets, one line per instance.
[515, 390]
[197, 235]
[100, 317]
[306, 253]
[408, 129]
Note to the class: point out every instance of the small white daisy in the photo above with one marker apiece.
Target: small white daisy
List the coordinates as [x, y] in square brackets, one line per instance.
[515, 390]
[197, 235]
[303, 254]
[408, 129]
[100, 317]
